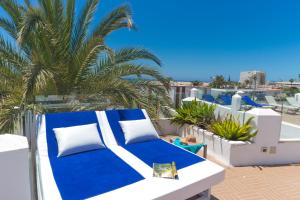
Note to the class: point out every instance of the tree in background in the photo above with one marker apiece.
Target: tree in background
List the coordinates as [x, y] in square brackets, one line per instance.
[247, 83]
[291, 91]
[197, 83]
[291, 81]
[253, 81]
[53, 48]
[218, 82]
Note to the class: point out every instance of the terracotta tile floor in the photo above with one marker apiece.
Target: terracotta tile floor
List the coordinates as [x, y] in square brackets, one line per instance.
[255, 183]
[258, 183]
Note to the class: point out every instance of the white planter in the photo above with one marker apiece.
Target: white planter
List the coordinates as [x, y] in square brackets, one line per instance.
[223, 150]
[264, 150]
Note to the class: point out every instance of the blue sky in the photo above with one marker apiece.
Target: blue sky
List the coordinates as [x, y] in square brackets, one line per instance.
[197, 39]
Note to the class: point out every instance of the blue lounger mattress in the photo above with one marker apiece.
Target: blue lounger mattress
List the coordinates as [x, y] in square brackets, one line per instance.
[160, 151]
[153, 151]
[86, 174]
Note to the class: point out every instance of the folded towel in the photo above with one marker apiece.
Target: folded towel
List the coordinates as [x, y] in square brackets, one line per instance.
[194, 148]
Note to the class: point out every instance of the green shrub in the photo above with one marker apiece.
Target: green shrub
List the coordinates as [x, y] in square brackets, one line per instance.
[231, 129]
[291, 91]
[195, 113]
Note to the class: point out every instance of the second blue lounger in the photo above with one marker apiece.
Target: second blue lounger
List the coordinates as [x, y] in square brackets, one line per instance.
[153, 151]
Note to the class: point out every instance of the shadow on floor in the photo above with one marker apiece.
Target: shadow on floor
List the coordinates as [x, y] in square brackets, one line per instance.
[212, 197]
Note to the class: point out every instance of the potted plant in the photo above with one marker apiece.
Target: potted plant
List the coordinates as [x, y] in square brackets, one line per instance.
[232, 129]
[195, 113]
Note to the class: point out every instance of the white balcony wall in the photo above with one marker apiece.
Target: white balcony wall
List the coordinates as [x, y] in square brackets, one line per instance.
[267, 148]
[14, 168]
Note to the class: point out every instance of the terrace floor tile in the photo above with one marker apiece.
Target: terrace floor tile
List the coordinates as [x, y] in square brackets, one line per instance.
[280, 182]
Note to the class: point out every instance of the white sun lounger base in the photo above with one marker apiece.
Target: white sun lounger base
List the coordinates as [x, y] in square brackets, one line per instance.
[289, 109]
[292, 101]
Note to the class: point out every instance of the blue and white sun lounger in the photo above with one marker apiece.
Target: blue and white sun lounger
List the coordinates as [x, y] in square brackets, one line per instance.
[78, 176]
[250, 102]
[152, 151]
[194, 171]
[120, 171]
[226, 100]
[209, 98]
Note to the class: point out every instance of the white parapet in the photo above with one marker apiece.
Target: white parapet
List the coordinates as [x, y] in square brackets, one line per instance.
[194, 93]
[268, 124]
[297, 97]
[269, 147]
[236, 103]
[14, 168]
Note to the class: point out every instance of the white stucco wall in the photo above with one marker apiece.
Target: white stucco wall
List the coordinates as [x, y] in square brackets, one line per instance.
[237, 153]
[267, 147]
[14, 168]
[165, 127]
[289, 131]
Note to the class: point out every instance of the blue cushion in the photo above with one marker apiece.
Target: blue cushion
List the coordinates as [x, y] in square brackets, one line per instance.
[86, 174]
[209, 98]
[226, 99]
[114, 116]
[153, 151]
[160, 151]
[250, 102]
[131, 114]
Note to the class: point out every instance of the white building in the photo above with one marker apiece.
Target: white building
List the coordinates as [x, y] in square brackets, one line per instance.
[254, 77]
[287, 84]
[181, 90]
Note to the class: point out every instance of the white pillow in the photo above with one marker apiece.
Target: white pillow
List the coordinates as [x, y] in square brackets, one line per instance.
[76, 139]
[138, 130]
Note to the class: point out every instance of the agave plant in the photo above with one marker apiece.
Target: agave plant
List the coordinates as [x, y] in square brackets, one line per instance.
[49, 47]
[232, 129]
[195, 113]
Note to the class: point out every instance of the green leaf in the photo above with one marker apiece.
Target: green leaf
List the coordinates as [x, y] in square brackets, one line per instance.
[231, 129]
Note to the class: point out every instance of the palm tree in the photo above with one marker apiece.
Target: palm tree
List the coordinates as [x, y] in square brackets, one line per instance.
[254, 80]
[197, 83]
[218, 82]
[53, 48]
[291, 81]
[247, 82]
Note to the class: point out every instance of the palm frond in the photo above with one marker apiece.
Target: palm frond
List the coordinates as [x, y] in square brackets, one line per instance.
[87, 58]
[9, 27]
[30, 21]
[11, 55]
[47, 8]
[81, 27]
[131, 54]
[117, 19]
[10, 115]
[69, 23]
[13, 9]
[35, 77]
[58, 14]
[27, 3]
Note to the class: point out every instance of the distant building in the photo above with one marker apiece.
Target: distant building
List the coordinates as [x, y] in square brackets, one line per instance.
[299, 77]
[253, 77]
[181, 90]
[287, 84]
